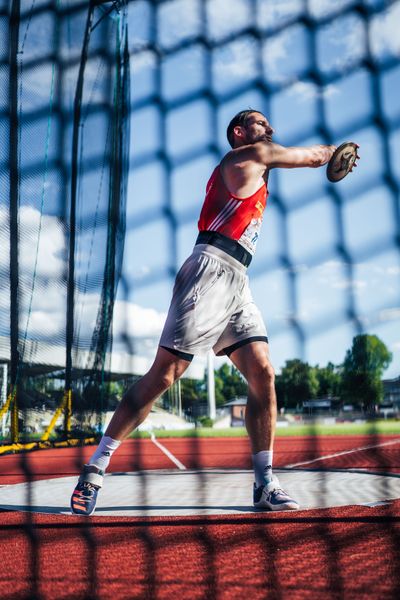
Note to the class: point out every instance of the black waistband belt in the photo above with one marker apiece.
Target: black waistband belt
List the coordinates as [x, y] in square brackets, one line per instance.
[231, 247]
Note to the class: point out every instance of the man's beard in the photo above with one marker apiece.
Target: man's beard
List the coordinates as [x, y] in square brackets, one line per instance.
[261, 137]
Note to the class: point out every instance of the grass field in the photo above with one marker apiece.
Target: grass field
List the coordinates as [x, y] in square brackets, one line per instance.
[376, 427]
[381, 427]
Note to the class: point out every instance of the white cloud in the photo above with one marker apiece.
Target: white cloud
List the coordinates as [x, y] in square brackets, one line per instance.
[48, 304]
[95, 71]
[330, 271]
[141, 61]
[144, 270]
[48, 245]
[235, 60]
[276, 12]
[347, 36]
[368, 276]
[276, 51]
[227, 17]
[304, 315]
[298, 268]
[4, 239]
[356, 284]
[388, 270]
[41, 322]
[37, 86]
[130, 320]
[384, 32]
[389, 314]
[178, 20]
[322, 8]
[138, 321]
[306, 90]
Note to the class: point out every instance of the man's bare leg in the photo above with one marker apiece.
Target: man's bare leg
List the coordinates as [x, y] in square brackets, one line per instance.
[253, 362]
[138, 400]
[132, 410]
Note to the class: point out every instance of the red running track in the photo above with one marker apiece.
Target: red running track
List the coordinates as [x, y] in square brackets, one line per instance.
[344, 553]
[200, 453]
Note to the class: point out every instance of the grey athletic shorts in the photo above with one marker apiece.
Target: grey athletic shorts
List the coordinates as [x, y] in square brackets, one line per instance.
[211, 306]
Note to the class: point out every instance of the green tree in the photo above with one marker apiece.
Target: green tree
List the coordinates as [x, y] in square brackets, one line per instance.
[220, 399]
[229, 384]
[296, 383]
[329, 380]
[362, 372]
[193, 391]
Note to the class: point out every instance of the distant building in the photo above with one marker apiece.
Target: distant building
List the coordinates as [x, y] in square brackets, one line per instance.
[391, 392]
[390, 406]
[321, 405]
[237, 409]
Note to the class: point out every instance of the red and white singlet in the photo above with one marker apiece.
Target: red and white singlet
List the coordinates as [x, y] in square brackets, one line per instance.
[237, 218]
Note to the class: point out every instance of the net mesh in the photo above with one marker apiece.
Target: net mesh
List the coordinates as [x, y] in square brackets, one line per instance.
[289, 61]
[63, 219]
[326, 268]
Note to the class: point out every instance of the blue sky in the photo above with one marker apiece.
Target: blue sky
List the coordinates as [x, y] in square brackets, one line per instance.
[308, 221]
[195, 63]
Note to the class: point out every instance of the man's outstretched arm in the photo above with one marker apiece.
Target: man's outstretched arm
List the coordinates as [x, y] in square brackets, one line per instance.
[273, 155]
[243, 167]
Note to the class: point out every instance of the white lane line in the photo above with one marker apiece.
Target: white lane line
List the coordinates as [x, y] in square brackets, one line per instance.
[173, 458]
[309, 462]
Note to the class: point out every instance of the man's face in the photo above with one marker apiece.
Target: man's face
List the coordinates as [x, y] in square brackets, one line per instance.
[257, 129]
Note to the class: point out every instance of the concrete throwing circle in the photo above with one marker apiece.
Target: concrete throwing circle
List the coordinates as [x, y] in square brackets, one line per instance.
[209, 492]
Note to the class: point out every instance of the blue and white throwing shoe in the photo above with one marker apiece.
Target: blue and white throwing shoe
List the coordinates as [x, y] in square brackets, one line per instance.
[272, 497]
[84, 497]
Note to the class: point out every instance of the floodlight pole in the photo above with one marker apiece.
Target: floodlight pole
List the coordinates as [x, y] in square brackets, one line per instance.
[179, 390]
[212, 413]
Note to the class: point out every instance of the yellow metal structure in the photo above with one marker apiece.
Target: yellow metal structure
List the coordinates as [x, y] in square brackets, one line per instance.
[5, 408]
[45, 444]
[55, 418]
[65, 407]
[68, 410]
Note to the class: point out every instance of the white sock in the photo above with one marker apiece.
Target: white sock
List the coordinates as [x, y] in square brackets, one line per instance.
[262, 462]
[102, 456]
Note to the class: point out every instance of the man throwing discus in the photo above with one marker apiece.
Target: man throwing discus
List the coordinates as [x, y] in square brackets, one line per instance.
[212, 307]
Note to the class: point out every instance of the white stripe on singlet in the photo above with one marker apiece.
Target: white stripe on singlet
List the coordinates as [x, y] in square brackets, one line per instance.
[223, 211]
[224, 215]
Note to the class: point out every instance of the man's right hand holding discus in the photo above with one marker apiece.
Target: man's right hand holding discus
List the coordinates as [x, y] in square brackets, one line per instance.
[342, 162]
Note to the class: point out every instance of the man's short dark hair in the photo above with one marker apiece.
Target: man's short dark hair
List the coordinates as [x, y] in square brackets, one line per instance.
[239, 119]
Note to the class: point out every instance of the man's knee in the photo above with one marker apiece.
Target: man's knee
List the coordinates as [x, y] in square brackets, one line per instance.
[169, 374]
[155, 382]
[168, 378]
[262, 374]
[166, 369]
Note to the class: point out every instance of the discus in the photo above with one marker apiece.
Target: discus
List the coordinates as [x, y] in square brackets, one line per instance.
[342, 161]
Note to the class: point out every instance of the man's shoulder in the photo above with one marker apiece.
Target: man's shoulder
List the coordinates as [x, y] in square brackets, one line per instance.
[252, 152]
[250, 158]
